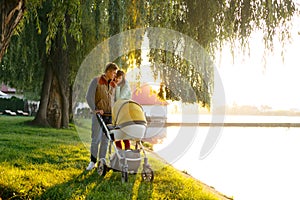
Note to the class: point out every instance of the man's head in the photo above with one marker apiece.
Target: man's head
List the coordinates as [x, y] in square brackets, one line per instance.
[111, 70]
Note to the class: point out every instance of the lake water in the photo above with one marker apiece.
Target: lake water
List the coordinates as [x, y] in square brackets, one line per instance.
[247, 163]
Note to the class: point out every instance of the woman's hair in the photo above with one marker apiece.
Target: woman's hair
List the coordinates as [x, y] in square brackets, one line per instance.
[111, 66]
[121, 73]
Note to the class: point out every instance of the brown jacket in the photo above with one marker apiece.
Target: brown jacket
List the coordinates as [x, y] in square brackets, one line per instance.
[100, 95]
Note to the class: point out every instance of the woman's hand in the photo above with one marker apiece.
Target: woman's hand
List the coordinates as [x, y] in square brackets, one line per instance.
[113, 84]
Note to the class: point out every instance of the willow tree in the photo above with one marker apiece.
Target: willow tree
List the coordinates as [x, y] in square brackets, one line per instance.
[48, 49]
[11, 13]
[181, 79]
[22, 64]
[211, 23]
[62, 23]
[49, 36]
[126, 15]
[63, 32]
[94, 30]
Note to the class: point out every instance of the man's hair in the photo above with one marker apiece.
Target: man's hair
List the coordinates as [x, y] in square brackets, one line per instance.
[111, 66]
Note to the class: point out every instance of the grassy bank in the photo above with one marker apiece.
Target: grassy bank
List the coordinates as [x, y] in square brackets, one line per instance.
[46, 163]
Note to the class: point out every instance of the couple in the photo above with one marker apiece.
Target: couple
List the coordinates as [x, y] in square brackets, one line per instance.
[103, 91]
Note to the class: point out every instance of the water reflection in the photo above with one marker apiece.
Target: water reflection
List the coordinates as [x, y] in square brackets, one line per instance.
[172, 142]
[247, 163]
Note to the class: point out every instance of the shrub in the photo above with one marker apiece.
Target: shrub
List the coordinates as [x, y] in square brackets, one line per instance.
[12, 104]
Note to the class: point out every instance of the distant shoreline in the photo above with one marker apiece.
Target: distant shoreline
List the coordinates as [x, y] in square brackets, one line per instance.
[250, 124]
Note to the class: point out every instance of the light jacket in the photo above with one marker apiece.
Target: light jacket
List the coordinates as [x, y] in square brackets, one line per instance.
[123, 92]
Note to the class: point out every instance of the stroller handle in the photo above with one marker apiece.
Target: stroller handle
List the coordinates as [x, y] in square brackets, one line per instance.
[101, 121]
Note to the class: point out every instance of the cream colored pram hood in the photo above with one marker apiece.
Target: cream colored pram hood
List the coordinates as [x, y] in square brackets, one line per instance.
[129, 119]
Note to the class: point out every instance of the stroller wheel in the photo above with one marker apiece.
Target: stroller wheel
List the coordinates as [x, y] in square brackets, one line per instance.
[102, 168]
[147, 174]
[124, 174]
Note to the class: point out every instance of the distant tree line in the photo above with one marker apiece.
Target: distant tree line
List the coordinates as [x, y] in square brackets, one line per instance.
[260, 110]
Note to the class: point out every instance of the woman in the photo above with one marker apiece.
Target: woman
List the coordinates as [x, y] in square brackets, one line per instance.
[123, 91]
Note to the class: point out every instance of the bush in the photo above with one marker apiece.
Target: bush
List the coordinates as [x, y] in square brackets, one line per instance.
[12, 104]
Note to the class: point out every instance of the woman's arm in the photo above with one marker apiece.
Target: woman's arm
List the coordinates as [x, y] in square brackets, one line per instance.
[125, 92]
[117, 93]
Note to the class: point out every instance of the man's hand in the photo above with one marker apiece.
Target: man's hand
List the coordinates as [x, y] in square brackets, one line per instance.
[101, 112]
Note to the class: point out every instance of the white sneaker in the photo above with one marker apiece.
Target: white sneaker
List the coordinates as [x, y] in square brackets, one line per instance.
[91, 166]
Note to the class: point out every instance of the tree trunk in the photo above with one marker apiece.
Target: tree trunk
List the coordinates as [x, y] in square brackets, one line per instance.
[54, 104]
[41, 116]
[58, 106]
[54, 107]
[71, 105]
[11, 13]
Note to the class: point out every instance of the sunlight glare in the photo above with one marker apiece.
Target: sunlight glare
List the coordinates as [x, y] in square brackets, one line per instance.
[262, 79]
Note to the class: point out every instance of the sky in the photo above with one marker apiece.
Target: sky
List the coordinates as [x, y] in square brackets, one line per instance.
[247, 81]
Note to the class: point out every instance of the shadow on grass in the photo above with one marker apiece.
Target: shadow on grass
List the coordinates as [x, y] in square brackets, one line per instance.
[89, 185]
[7, 192]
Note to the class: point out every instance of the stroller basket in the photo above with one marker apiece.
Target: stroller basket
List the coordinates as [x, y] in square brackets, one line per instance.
[133, 160]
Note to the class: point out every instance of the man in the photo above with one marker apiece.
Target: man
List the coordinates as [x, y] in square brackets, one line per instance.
[100, 98]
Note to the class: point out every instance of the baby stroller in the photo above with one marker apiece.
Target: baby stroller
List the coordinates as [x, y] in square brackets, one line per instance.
[128, 122]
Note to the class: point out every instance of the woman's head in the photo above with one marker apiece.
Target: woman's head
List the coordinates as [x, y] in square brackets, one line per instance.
[120, 77]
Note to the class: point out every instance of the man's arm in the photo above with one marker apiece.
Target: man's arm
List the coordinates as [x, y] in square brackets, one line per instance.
[90, 95]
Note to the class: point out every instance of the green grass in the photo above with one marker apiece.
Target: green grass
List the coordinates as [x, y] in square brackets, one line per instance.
[47, 163]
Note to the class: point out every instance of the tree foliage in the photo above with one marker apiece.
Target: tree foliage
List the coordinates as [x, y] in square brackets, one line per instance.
[211, 24]
[55, 36]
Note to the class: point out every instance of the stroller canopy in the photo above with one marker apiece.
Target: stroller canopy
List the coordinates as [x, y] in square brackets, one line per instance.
[127, 112]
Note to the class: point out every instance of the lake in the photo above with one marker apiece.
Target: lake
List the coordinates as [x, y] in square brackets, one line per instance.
[247, 163]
